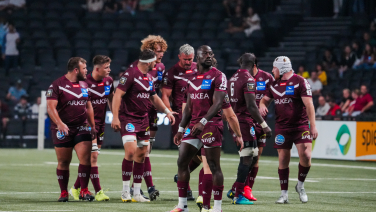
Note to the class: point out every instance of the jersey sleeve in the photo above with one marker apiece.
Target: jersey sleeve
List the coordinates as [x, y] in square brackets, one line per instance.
[112, 85]
[305, 88]
[268, 91]
[126, 81]
[226, 102]
[53, 92]
[249, 86]
[220, 83]
[168, 79]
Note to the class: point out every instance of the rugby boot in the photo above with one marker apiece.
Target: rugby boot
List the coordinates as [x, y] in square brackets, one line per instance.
[139, 198]
[230, 194]
[141, 192]
[199, 202]
[75, 193]
[302, 194]
[283, 199]
[241, 200]
[64, 196]
[248, 194]
[177, 209]
[153, 193]
[176, 178]
[100, 196]
[190, 196]
[86, 195]
[126, 196]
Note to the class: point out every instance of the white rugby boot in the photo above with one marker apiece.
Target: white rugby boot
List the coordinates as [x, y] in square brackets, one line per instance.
[126, 196]
[302, 194]
[283, 199]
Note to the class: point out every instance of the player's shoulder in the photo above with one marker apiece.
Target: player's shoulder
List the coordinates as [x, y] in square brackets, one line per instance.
[171, 70]
[83, 84]
[217, 72]
[59, 81]
[134, 64]
[266, 74]
[298, 78]
[160, 67]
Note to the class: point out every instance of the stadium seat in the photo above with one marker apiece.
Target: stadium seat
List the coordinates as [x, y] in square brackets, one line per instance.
[198, 16]
[110, 26]
[93, 25]
[180, 25]
[120, 56]
[124, 17]
[192, 35]
[223, 36]
[62, 44]
[35, 16]
[36, 25]
[63, 55]
[53, 25]
[210, 25]
[52, 16]
[143, 26]
[82, 44]
[101, 52]
[195, 25]
[37, 6]
[73, 25]
[101, 35]
[14, 133]
[137, 35]
[83, 34]
[120, 35]
[42, 44]
[30, 134]
[162, 25]
[57, 34]
[177, 35]
[89, 17]
[99, 44]
[54, 5]
[69, 15]
[39, 35]
[215, 16]
[109, 17]
[84, 53]
[184, 16]
[126, 26]
[115, 44]
[202, 6]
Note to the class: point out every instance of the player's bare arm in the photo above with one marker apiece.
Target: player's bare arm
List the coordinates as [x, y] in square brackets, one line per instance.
[186, 118]
[264, 103]
[52, 112]
[232, 120]
[110, 97]
[250, 99]
[157, 102]
[90, 119]
[115, 109]
[311, 115]
[166, 94]
[218, 97]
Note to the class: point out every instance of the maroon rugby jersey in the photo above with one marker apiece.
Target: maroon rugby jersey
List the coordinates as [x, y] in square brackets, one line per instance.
[138, 88]
[176, 78]
[156, 73]
[240, 83]
[72, 99]
[99, 91]
[289, 107]
[201, 89]
[263, 79]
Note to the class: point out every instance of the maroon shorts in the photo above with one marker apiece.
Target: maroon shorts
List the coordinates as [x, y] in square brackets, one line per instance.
[75, 136]
[136, 127]
[153, 119]
[100, 134]
[285, 138]
[211, 136]
[248, 132]
[260, 135]
[175, 127]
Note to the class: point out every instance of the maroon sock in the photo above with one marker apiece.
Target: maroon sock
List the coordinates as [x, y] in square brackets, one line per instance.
[200, 179]
[138, 172]
[193, 165]
[182, 187]
[284, 178]
[147, 173]
[84, 175]
[207, 190]
[63, 178]
[239, 188]
[303, 171]
[233, 188]
[218, 191]
[94, 176]
[251, 177]
[126, 168]
[77, 184]
[189, 188]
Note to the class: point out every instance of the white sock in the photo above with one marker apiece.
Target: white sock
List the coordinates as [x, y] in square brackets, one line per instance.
[136, 188]
[182, 202]
[300, 184]
[218, 204]
[126, 186]
[285, 192]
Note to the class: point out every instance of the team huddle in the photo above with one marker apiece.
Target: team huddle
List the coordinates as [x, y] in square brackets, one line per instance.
[196, 97]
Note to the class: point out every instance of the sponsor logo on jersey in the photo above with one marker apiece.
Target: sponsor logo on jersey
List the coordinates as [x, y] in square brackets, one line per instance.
[261, 86]
[165, 80]
[143, 95]
[99, 101]
[189, 71]
[130, 127]
[290, 83]
[206, 84]
[206, 138]
[187, 132]
[199, 96]
[160, 73]
[84, 128]
[259, 96]
[279, 139]
[60, 135]
[154, 69]
[77, 102]
[84, 92]
[276, 85]
[123, 79]
[49, 93]
[282, 84]
[200, 77]
[234, 100]
[101, 84]
[282, 101]
[145, 78]
[180, 73]
[67, 86]
[253, 133]
[251, 86]
[289, 90]
[93, 86]
[208, 77]
[107, 89]
[140, 78]
[151, 85]
[306, 135]
[260, 78]
[75, 86]
[227, 100]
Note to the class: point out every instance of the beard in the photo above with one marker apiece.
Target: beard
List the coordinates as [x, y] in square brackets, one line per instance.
[205, 65]
[80, 76]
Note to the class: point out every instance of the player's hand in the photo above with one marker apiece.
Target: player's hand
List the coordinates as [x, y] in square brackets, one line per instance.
[115, 124]
[63, 128]
[177, 139]
[93, 134]
[197, 129]
[171, 117]
[267, 131]
[263, 110]
[314, 132]
[239, 142]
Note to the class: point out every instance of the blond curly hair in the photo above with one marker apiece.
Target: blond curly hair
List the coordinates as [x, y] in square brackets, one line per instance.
[151, 42]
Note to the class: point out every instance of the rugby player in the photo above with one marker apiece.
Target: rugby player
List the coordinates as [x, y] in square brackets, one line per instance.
[294, 112]
[132, 97]
[173, 87]
[241, 89]
[73, 126]
[205, 95]
[101, 92]
[159, 46]
[263, 79]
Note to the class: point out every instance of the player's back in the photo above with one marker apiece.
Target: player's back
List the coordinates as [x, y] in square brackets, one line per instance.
[263, 80]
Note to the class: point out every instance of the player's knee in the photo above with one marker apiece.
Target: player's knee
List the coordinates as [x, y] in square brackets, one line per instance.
[64, 164]
[182, 162]
[306, 156]
[214, 167]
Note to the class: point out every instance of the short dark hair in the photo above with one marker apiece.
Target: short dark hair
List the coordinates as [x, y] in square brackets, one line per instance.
[24, 97]
[74, 62]
[247, 59]
[101, 59]
[146, 54]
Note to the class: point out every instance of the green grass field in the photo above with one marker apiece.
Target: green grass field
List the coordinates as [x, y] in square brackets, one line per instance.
[28, 183]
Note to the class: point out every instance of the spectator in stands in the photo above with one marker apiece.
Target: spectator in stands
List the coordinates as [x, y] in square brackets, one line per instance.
[367, 60]
[35, 108]
[322, 74]
[4, 116]
[111, 6]
[334, 110]
[346, 100]
[354, 95]
[323, 107]
[15, 92]
[230, 6]
[368, 39]
[146, 5]
[3, 28]
[23, 109]
[357, 50]
[129, 6]
[315, 83]
[237, 23]
[363, 103]
[329, 60]
[10, 5]
[94, 5]
[252, 22]
[347, 60]
[9, 48]
[337, 4]
[302, 72]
